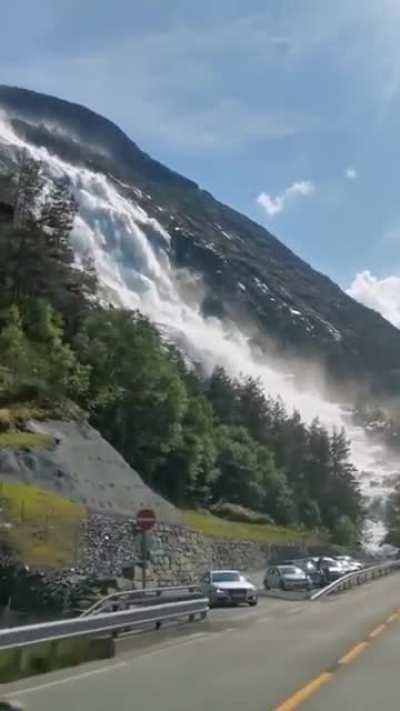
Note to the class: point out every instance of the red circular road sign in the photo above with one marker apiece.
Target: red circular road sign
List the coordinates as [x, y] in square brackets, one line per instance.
[145, 519]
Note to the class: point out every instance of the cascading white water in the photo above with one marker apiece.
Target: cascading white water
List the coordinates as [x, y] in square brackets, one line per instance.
[135, 272]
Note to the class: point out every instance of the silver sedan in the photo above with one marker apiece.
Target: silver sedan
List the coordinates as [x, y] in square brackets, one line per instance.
[287, 577]
[228, 586]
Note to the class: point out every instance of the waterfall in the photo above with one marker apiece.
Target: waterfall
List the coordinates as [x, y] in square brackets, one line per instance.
[130, 251]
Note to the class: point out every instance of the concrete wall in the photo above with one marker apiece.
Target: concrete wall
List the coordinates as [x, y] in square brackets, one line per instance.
[48, 656]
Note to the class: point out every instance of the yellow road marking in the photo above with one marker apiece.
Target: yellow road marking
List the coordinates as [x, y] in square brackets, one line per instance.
[297, 698]
[378, 630]
[309, 689]
[392, 618]
[353, 653]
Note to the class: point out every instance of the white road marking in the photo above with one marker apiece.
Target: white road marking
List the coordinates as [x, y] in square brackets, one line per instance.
[66, 680]
[213, 635]
[197, 637]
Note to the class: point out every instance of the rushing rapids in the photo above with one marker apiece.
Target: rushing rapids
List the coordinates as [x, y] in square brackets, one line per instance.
[130, 251]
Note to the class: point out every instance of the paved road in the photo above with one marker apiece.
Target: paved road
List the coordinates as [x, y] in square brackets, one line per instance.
[252, 659]
[367, 678]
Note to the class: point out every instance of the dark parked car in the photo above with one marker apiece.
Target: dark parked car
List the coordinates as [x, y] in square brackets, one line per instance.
[330, 570]
[310, 568]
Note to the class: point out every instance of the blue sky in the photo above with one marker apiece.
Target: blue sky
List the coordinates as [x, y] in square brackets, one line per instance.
[289, 110]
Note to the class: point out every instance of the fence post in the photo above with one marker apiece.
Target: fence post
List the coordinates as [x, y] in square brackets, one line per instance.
[76, 543]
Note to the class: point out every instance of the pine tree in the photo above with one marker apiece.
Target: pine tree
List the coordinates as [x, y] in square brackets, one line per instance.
[57, 219]
[254, 409]
[29, 188]
[393, 517]
[36, 255]
[222, 393]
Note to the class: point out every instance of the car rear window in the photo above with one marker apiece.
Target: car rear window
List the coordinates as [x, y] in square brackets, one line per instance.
[225, 577]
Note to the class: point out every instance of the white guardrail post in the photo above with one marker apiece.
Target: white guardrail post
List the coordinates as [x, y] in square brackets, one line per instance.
[357, 578]
[111, 622]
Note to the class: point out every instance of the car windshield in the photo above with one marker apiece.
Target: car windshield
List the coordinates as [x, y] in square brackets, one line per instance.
[228, 577]
[290, 570]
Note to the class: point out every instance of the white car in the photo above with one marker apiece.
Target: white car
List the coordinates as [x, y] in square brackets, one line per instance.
[348, 564]
[228, 586]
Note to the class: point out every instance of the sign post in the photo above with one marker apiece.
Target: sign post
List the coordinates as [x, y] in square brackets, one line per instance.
[145, 520]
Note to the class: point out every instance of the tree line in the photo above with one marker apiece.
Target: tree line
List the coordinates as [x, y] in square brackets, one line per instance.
[196, 440]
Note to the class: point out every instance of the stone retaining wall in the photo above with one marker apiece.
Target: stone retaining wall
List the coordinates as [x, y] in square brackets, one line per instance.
[177, 554]
[108, 559]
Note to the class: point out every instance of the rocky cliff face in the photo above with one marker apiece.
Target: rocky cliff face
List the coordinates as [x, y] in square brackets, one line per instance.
[247, 274]
[83, 467]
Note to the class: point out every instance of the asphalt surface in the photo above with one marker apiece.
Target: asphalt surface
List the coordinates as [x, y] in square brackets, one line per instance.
[282, 654]
[370, 678]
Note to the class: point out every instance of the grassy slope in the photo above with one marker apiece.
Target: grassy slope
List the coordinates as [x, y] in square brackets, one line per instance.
[217, 527]
[44, 525]
[15, 439]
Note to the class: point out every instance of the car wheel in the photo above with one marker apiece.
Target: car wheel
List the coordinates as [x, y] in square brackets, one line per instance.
[253, 603]
[282, 585]
[266, 585]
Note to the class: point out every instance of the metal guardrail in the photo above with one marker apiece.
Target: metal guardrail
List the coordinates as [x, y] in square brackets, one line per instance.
[357, 578]
[139, 597]
[97, 624]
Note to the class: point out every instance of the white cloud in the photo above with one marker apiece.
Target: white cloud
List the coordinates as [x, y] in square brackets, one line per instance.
[382, 295]
[275, 205]
[351, 173]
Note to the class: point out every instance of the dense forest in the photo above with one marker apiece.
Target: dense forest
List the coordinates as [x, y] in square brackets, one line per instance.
[196, 440]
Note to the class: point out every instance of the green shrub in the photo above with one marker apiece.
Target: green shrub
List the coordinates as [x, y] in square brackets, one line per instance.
[236, 512]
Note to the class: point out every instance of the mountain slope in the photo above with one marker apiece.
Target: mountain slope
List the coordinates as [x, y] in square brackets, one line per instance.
[81, 466]
[249, 276]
